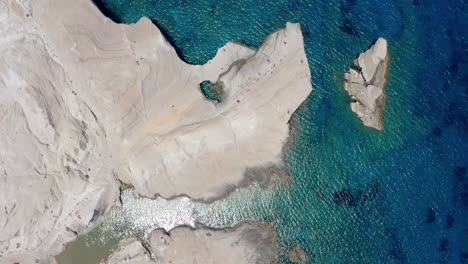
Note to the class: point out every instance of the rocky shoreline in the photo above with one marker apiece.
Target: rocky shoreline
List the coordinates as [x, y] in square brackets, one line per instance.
[245, 243]
[88, 105]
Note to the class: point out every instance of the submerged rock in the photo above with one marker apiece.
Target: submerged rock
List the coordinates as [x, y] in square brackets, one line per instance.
[344, 197]
[431, 215]
[449, 221]
[370, 191]
[460, 173]
[298, 255]
[396, 250]
[443, 246]
[366, 85]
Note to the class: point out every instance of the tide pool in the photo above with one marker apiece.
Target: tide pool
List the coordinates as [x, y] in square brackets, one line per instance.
[356, 195]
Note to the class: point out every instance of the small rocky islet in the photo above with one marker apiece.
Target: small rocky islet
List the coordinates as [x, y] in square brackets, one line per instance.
[366, 85]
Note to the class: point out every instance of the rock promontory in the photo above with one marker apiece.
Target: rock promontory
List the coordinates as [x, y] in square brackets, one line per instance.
[87, 104]
[366, 85]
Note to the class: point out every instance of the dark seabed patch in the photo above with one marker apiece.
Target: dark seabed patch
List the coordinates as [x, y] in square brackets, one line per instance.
[431, 215]
[449, 221]
[460, 174]
[443, 246]
[344, 197]
[396, 249]
[371, 191]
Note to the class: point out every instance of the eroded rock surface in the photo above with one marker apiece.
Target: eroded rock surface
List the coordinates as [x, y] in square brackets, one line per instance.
[244, 244]
[86, 103]
[366, 86]
[298, 255]
[129, 251]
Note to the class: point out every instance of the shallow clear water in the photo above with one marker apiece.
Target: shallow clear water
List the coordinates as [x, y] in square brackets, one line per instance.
[139, 216]
[417, 213]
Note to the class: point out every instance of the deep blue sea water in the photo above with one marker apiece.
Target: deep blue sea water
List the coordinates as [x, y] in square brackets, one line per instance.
[357, 195]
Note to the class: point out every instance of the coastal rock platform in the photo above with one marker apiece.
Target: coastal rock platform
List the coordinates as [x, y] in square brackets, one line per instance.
[87, 105]
[243, 244]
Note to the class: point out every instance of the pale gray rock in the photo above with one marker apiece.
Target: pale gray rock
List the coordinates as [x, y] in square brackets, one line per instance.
[130, 251]
[246, 243]
[366, 86]
[86, 103]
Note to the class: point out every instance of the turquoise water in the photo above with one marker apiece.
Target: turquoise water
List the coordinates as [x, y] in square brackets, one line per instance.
[207, 89]
[404, 190]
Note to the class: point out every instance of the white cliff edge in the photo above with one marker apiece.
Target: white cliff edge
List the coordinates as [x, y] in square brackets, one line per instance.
[86, 103]
[366, 86]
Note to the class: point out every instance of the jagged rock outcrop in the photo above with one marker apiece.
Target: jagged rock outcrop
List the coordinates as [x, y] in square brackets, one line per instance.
[86, 103]
[366, 86]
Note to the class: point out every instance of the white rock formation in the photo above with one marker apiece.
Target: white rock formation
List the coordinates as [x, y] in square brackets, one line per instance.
[129, 251]
[367, 86]
[244, 244]
[85, 102]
